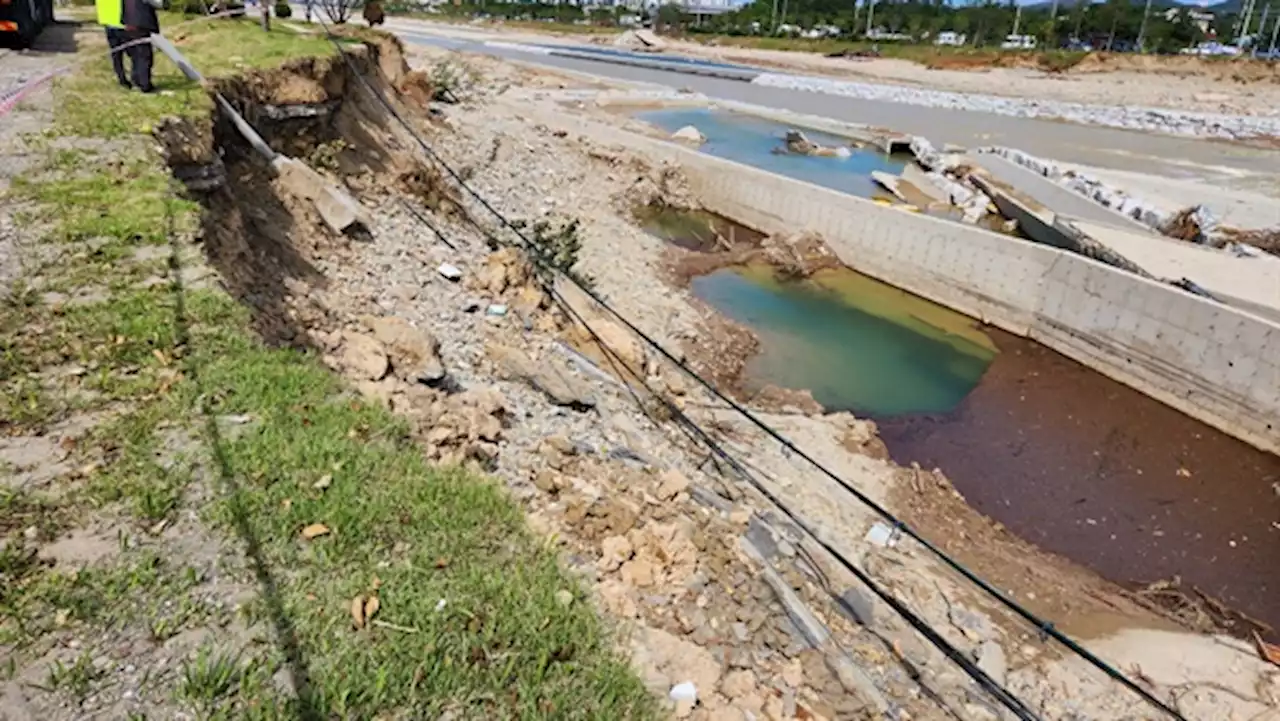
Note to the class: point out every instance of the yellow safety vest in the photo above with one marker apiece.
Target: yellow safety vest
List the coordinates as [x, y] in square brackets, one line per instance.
[110, 13]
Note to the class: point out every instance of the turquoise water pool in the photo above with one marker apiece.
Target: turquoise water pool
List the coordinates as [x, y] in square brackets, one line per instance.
[751, 141]
[857, 344]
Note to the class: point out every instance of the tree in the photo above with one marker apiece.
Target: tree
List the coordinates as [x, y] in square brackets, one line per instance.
[339, 11]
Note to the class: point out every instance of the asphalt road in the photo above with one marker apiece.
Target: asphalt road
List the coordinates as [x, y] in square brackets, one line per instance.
[1090, 145]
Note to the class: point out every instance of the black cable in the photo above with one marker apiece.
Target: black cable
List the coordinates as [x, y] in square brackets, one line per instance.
[1045, 628]
[696, 433]
[988, 684]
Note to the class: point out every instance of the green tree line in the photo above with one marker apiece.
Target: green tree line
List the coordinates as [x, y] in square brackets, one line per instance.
[1113, 24]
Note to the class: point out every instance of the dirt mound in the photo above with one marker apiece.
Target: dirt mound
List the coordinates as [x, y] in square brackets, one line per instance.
[979, 60]
[1240, 70]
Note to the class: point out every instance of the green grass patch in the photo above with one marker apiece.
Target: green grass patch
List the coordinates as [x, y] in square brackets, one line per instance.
[128, 201]
[91, 104]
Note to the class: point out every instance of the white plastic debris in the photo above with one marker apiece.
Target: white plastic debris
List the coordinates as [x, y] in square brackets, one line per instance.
[449, 271]
[882, 536]
[441, 604]
[496, 309]
[685, 691]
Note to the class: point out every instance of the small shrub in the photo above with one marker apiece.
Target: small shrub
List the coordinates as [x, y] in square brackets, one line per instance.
[452, 81]
[556, 246]
[283, 10]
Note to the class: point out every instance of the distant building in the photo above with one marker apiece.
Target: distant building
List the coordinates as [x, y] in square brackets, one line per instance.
[950, 37]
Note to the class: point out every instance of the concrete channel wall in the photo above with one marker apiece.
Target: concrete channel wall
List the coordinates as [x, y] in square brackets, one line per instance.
[1210, 361]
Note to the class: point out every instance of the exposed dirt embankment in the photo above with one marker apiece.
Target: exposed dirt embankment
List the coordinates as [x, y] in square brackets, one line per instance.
[263, 240]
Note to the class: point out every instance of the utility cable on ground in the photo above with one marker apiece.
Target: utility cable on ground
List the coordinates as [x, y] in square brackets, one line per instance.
[1046, 628]
[997, 691]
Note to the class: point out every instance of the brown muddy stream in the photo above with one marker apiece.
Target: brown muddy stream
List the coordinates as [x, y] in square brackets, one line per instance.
[1091, 469]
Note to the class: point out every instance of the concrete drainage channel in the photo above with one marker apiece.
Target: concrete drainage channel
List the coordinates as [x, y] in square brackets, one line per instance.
[1189, 362]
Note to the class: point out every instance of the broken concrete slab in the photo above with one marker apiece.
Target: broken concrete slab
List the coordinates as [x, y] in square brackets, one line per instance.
[338, 209]
[1246, 283]
[919, 177]
[553, 380]
[1048, 194]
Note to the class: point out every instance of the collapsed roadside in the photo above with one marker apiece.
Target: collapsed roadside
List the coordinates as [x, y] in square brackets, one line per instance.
[472, 360]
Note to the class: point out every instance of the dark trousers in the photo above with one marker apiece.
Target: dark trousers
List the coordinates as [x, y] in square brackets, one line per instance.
[115, 38]
[140, 57]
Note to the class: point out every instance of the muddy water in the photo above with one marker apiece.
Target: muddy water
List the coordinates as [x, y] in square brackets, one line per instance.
[1065, 457]
[696, 230]
[752, 141]
[1089, 468]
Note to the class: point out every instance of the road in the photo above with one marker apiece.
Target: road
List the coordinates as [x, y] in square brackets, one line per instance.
[1168, 156]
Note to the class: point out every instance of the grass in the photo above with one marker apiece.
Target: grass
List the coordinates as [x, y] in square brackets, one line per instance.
[469, 622]
[90, 103]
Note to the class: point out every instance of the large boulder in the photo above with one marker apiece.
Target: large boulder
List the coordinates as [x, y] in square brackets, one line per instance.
[415, 353]
[363, 357]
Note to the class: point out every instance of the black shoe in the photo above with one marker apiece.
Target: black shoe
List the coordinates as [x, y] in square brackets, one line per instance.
[148, 89]
[125, 83]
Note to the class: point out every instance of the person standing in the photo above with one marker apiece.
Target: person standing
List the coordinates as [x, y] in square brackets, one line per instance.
[109, 17]
[140, 19]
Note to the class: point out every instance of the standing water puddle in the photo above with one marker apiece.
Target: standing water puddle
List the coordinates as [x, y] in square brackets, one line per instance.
[696, 230]
[751, 141]
[856, 343]
[1065, 457]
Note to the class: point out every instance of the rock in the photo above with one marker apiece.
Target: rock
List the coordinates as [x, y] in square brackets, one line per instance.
[856, 606]
[612, 333]
[547, 481]
[560, 444]
[503, 269]
[773, 710]
[415, 353]
[684, 691]
[796, 142]
[363, 357]
[691, 618]
[737, 684]
[616, 599]
[673, 483]
[637, 572]
[557, 383]
[991, 659]
[689, 134]
[793, 673]
[615, 550]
